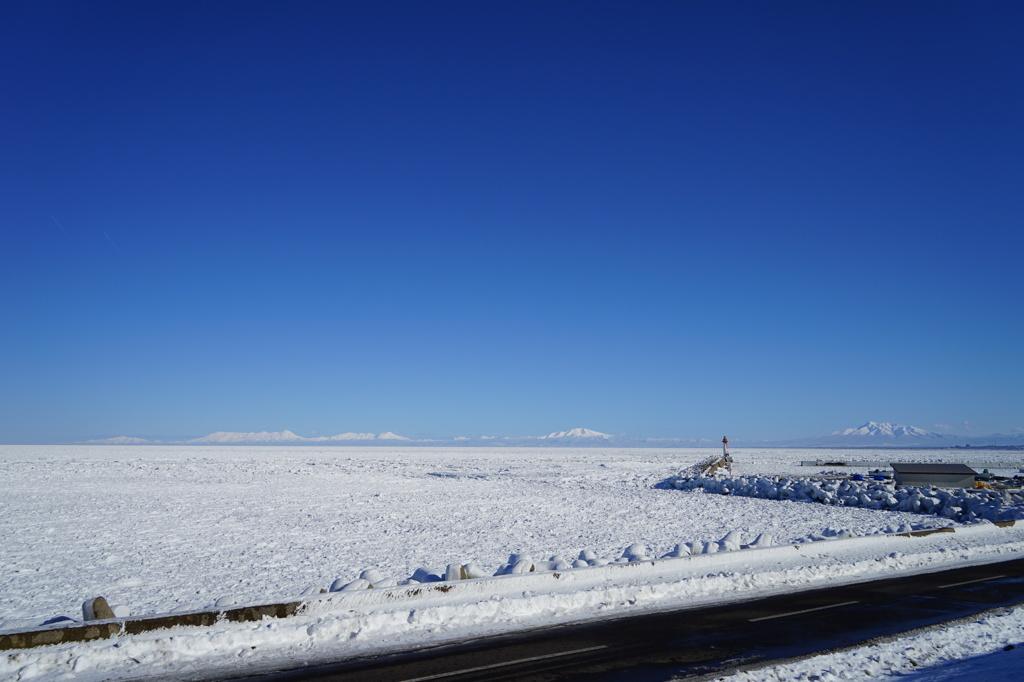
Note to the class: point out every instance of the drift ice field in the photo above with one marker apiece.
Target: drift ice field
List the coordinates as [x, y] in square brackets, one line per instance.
[159, 529]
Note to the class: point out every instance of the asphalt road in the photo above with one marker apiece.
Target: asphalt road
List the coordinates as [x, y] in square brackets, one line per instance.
[695, 643]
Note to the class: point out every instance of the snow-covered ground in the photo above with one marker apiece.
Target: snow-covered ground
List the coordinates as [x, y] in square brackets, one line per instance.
[162, 528]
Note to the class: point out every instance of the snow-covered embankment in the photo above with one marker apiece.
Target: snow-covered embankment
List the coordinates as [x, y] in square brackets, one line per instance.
[363, 621]
[956, 504]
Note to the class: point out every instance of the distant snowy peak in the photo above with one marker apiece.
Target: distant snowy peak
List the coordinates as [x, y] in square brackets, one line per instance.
[577, 433]
[387, 435]
[887, 430]
[878, 434]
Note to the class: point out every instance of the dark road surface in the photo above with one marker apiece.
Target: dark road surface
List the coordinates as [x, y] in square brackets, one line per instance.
[698, 642]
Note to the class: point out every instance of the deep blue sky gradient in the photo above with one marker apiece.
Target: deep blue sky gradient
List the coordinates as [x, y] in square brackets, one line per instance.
[769, 220]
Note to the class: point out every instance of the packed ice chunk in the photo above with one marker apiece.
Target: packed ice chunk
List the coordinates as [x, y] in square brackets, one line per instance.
[371, 574]
[357, 584]
[678, 551]
[473, 571]
[423, 575]
[635, 550]
[731, 542]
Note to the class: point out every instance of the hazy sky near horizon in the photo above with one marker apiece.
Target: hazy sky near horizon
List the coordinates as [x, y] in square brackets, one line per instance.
[766, 220]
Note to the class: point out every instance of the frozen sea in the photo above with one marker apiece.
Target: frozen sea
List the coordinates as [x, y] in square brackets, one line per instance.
[164, 528]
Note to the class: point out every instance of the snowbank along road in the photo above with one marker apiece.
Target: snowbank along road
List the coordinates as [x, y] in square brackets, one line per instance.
[704, 641]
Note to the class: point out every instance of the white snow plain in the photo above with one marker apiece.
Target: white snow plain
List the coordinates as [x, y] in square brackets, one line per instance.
[165, 528]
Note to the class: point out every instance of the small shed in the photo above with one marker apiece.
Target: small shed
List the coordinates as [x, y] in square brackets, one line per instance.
[938, 475]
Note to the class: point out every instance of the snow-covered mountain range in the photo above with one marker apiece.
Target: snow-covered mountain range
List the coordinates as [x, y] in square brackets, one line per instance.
[261, 437]
[577, 433]
[576, 436]
[884, 434]
[880, 434]
[256, 438]
[887, 430]
[229, 437]
[871, 434]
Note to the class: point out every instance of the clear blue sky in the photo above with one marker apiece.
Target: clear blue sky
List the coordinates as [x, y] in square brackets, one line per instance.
[769, 220]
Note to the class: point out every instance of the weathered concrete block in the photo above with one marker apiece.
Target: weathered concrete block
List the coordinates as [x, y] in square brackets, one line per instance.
[96, 609]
